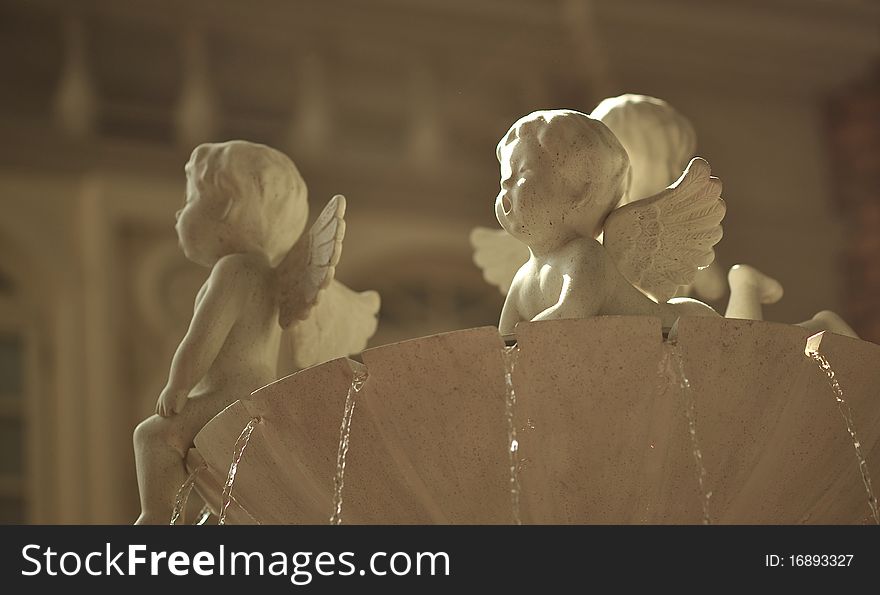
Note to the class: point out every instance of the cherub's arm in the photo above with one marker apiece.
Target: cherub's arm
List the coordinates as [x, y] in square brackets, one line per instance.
[199, 295]
[225, 293]
[585, 287]
[509, 313]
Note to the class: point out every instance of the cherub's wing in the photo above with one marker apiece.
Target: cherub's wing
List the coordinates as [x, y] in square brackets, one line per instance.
[499, 255]
[339, 325]
[311, 263]
[659, 243]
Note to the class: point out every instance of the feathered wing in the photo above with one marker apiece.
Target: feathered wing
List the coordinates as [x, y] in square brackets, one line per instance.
[310, 265]
[499, 255]
[660, 242]
[339, 325]
[322, 318]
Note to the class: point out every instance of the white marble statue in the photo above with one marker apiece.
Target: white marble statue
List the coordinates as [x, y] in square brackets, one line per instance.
[659, 141]
[562, 175]
[245, 212]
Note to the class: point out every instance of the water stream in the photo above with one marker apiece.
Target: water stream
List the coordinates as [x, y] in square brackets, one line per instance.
[204, 515]
[675, 372]
[509, 355]
[847, 414]
[237, 453]
[183, 494]
[357, 383]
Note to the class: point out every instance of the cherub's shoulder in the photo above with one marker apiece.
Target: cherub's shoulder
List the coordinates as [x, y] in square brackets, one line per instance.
[241, 266]
[583, 244]
[580, 249]
[582, 255]
[524, 275]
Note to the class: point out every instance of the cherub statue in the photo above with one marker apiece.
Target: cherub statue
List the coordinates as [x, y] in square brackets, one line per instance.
[562, 175]
[245, 212]
[659, 142]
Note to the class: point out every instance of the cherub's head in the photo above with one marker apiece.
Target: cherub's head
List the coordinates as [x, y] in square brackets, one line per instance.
[659, 140]
[240, 197]
[561, 174]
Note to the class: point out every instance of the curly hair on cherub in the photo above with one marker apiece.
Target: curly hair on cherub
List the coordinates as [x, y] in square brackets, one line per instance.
[581, 154]
[256, 186]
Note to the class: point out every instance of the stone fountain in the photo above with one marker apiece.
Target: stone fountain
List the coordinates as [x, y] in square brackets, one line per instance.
[605, 397]
[606, 429]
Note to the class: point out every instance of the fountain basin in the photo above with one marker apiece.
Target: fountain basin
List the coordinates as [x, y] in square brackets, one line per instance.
[601, 428]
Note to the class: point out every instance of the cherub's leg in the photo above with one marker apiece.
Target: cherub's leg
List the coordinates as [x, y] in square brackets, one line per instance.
[749, 290]
[160, 467]
[826, 320]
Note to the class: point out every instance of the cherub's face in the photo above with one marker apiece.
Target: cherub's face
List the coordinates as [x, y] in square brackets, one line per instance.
[200, 225]
[562, 172]
[528, 187]
[541, 190]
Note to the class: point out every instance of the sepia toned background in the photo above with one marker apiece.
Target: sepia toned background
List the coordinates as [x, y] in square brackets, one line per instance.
[397, 104]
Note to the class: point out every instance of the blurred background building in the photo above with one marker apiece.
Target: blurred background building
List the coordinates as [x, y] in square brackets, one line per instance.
[397, 104]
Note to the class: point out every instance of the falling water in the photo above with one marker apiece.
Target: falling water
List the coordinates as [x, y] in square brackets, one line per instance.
[509, 355]
[687, 393]
[183, 494]
[237, 453]
[357, 383]
[846, 412]
[204, 515]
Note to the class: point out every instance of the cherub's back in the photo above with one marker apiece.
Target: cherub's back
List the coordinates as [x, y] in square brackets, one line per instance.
[249, 355]
[624, 299]
[581, 280]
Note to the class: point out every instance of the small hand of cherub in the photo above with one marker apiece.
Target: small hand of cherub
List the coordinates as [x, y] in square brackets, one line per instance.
[171, 401]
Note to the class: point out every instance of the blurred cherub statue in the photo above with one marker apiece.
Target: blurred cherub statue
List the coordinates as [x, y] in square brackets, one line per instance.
[562, 175]
[659, 142]
[245, 212]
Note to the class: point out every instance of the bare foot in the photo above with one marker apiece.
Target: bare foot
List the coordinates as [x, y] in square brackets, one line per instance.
[768, 289]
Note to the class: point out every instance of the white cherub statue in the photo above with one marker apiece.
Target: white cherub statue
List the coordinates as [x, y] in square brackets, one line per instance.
[562, 175]
[245, 212]
[659, 142]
